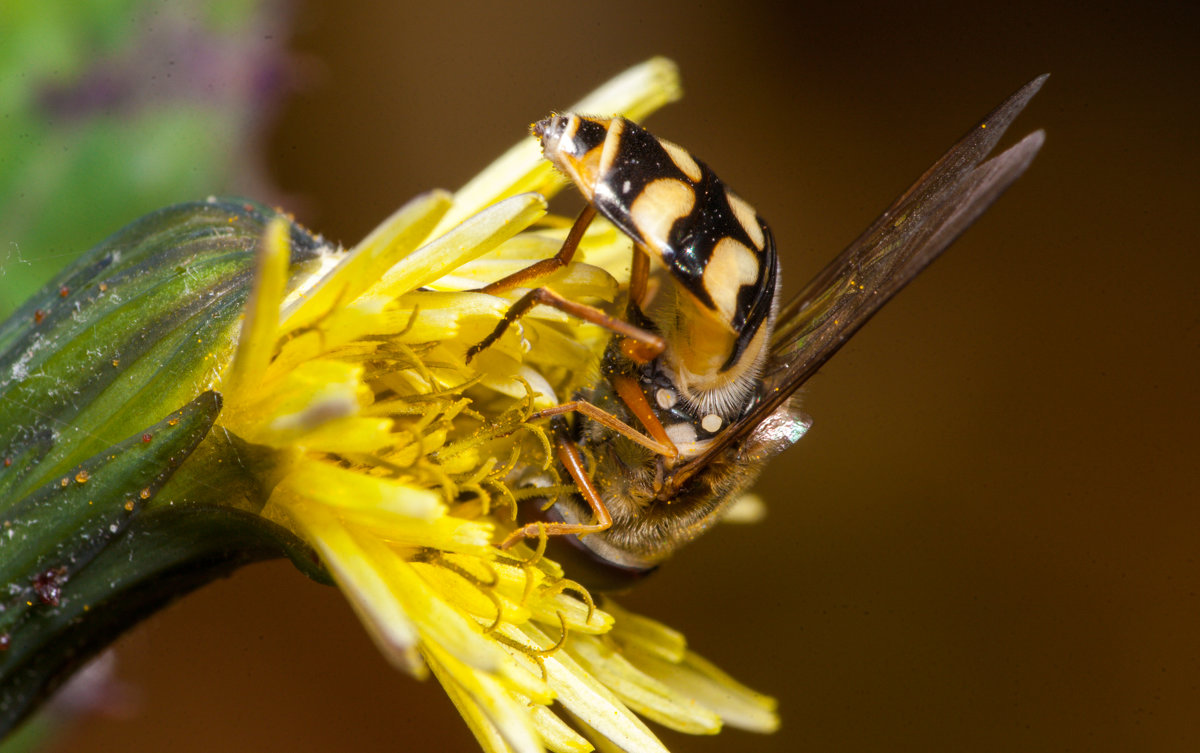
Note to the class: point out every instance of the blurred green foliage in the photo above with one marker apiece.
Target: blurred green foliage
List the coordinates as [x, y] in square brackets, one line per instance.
[110, 109]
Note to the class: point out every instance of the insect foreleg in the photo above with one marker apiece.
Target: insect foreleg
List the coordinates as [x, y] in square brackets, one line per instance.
[643, 346]
[546, 267]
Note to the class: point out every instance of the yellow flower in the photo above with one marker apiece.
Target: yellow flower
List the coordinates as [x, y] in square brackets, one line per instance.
[394, 458]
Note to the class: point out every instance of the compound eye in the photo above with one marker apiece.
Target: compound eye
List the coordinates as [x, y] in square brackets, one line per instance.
[549, 129]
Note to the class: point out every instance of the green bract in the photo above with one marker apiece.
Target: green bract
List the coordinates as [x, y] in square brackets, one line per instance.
[102, 398]
[127, 334]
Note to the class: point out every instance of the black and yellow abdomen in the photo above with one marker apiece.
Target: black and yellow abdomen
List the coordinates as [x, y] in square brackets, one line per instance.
[717, 249]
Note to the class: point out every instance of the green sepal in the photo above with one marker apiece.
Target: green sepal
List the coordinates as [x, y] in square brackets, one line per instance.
[104, 517]
[87, 559]
[50, 535]
[138, 326]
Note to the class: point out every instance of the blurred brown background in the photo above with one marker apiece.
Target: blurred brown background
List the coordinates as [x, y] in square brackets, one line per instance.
[987, 542]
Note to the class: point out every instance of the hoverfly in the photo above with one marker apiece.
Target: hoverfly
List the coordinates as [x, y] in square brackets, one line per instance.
[698, 377]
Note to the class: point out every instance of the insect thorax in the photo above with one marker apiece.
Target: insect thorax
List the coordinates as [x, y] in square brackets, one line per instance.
[718, 254]
[646, 528]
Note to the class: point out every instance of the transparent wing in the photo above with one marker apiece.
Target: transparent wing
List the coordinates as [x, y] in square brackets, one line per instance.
[913, 231]
[917, 227]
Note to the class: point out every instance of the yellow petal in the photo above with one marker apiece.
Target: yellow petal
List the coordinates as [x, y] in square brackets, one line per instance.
[298, 401]
[437, 622]
[361, 579]
[360, 267]
[469, 595]
[469, 240]
[549, 606]
[309, 431]
[256, 342]
[583, 695]
[555, 733]
[697, 678]
[641, 692]
[341, 487]
[499, 723]
[446, 533]
[634, 631]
